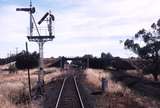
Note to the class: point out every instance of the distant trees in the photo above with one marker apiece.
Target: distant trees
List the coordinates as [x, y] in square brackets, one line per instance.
[27, 60]
[106, 59]
[58, 62]
[146, 44]
[95, 63]
[78, 63]
[87, 56]
[121, 64]
[107, 56]
[82, 62]
[7, 60]
[99, 63]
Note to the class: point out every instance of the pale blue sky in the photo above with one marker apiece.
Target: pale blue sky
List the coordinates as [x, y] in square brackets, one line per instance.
[81, 26]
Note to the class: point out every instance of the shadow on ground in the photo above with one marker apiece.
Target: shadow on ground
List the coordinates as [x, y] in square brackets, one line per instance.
[142, 86]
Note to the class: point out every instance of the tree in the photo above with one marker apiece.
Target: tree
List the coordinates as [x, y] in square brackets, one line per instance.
[106, 59]
[148, 47]
[108, 55]
[88, 56]
[24, 60]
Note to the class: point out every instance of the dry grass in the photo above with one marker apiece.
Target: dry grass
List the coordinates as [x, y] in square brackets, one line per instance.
[14, 88]
[141, 75]
[94, 79]
[54, 73]
[117, 95]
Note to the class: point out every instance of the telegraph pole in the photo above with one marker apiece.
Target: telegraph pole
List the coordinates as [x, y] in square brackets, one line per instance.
[16, 51]
[29, 79]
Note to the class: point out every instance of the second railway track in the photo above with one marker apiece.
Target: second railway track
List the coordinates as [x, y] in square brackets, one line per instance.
[69, 95]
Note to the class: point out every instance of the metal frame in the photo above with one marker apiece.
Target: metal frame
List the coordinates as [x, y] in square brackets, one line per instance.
[39, 39]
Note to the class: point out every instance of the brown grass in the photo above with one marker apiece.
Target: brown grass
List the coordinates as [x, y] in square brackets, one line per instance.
[94, 79]
[14, 88]
[141, 75]
[116, 95]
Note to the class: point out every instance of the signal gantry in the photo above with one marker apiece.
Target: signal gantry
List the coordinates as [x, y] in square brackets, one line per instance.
[40, 39]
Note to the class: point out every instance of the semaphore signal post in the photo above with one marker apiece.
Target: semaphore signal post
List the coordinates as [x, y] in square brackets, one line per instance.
[39, 38]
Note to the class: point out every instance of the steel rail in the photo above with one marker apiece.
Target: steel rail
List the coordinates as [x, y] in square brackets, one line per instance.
[78, 92]
[80, 98]
[60, 93]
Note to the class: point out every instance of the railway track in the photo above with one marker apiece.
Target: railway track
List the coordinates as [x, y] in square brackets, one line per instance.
[69, 95]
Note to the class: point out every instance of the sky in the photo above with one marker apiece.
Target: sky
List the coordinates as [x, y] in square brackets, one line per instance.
[80, 26]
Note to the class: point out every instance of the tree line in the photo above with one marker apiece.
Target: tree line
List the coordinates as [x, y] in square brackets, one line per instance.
[22, 60]
[27, 60]
[106, 60]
